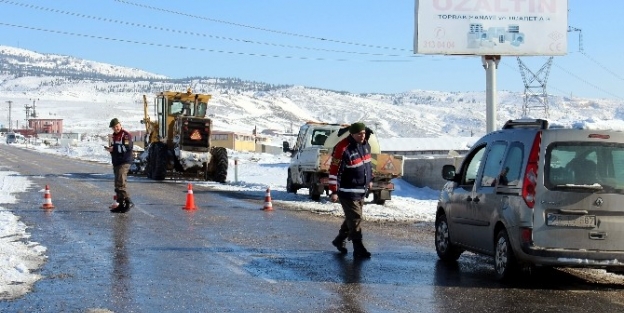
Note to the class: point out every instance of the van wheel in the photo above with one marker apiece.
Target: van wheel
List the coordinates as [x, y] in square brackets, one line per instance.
[505, 262]
[377, 198]
[447, 251]
[313, 195]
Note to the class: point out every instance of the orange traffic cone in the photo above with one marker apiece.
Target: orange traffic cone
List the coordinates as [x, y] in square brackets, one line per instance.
[267, 200]
[47, 199]
[115, 203]
[190, 199]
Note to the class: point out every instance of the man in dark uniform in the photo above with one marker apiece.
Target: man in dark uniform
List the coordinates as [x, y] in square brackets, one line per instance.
[122, 158]
[350, 177]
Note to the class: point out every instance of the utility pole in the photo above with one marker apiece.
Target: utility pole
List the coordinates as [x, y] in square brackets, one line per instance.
[34, 110]
[27, 107]
[10, 121]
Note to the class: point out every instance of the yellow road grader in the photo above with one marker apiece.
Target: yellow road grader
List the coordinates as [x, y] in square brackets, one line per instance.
[177, 142]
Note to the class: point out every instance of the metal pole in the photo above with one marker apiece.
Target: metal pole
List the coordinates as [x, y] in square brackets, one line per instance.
[490, 64]
[236, 170]
[10, 122]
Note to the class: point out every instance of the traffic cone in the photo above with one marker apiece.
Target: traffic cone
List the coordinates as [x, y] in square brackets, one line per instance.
[190, 199]
[115, 203]
[267, 200]
[47, 199]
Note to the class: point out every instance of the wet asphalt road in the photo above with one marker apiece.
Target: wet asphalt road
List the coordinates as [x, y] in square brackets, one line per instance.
[230, 256]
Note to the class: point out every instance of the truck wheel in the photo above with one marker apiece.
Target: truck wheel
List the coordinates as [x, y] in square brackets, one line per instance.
[159, 161]
[150, 160]
[290, 188]
[377, 199]
[313, 195]
[217, 169]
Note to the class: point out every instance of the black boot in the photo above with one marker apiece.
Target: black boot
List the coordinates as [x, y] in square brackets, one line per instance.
[359, 251]
[124, 206]
[129, 203]
[120, 206]
[341, 243]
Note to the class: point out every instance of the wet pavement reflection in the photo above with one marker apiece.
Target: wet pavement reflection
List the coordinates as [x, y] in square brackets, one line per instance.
[350, 275]
[121, 273]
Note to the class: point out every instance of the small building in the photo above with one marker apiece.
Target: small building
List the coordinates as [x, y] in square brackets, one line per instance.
[236, 141]
[46, 125]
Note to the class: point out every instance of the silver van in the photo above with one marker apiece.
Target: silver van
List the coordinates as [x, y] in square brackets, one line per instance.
[536, 195]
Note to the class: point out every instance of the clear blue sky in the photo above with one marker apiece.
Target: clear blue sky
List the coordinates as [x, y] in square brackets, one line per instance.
[367, 47]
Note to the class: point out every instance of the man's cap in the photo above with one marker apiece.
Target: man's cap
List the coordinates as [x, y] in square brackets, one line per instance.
[356, 127]
[113, 122]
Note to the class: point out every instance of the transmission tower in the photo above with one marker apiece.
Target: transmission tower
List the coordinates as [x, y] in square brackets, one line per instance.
[535, 94]
[574, 29]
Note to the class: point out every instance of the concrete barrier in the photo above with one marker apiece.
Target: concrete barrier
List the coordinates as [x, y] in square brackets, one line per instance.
[427, 172]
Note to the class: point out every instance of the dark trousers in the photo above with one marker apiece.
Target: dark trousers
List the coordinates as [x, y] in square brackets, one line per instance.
[353, 217]
[121, 176]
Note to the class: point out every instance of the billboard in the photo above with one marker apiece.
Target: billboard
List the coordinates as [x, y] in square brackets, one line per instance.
[491, 27]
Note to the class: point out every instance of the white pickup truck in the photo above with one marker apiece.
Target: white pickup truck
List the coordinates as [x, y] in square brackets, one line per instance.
[311, 157]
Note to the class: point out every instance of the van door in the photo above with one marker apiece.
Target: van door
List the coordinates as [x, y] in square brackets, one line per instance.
[580, 206]
[459, 205]
[485, 202]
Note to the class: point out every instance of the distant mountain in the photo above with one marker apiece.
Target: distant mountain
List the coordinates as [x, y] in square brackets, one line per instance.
[71, 88]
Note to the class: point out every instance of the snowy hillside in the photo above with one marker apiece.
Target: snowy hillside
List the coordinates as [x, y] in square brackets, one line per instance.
[26, 62]
[245, 105]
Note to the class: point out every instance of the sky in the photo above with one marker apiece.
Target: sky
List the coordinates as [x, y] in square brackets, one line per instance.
[361, 47]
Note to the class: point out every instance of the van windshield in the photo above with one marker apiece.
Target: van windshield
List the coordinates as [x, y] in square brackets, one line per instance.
[592, 166]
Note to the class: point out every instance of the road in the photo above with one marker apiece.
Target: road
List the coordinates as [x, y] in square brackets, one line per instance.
[231, 256]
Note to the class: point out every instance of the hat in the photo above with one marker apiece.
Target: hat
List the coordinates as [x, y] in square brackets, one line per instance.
[356, 128]
[113, 122]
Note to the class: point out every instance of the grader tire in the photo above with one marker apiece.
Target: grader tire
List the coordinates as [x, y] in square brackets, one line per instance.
[217, 169]
[158, 161]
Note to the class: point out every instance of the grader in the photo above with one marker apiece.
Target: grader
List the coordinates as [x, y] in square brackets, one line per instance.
[177, 141]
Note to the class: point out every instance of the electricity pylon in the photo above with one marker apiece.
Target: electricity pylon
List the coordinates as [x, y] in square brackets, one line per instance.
[535, 94]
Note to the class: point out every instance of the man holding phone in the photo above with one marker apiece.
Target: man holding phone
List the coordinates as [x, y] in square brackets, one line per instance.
[122, 158]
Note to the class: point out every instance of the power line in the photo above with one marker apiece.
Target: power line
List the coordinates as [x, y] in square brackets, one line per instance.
[587, 83]
[602, 66]
[259, 28]
[187, 47]
[571, 74]
[80, 15]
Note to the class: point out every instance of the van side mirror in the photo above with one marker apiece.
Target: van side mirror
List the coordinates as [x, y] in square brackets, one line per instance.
[285, 146]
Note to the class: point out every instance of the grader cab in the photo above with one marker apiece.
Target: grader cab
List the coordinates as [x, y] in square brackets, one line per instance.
[177, 141]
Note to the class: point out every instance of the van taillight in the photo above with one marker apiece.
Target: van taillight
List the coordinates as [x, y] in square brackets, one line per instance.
[530, 175]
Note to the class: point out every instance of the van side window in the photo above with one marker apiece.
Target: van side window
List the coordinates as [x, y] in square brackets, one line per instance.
[512, 166]
[493, 161]
[471, 170]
